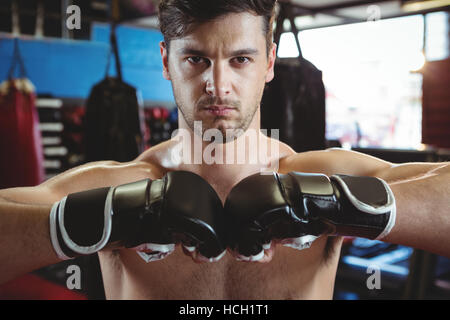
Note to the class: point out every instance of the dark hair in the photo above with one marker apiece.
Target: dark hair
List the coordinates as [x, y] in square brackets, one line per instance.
[176, 17]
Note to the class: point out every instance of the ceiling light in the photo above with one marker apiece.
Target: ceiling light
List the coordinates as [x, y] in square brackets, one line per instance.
[424, 5]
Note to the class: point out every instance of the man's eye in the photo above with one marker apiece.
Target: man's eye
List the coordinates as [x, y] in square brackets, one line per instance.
[196, 60]
[241, 60]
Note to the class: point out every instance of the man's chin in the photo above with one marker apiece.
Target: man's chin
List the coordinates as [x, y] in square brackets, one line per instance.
[229, 129]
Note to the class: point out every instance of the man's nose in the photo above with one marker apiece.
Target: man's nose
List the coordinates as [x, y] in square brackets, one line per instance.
[218, 81]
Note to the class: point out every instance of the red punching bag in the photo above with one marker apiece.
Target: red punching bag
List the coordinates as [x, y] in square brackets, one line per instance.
[21, 154]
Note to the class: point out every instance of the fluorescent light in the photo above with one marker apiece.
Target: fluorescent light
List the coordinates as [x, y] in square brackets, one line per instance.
[425, 5]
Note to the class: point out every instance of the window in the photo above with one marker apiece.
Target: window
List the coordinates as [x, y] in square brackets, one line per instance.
[373, 95]
[437, 36]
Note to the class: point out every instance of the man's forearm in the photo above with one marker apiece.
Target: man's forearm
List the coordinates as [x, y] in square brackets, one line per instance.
[24, 239]
[423, 212]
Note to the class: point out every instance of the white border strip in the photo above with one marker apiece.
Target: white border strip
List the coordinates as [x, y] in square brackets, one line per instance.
[106, 229]
[393, 214]
[54, 234]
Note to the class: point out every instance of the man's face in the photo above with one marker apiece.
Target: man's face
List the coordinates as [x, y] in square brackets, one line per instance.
[219, 70]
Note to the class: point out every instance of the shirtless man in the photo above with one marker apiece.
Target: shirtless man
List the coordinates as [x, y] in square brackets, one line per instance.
[222, 60]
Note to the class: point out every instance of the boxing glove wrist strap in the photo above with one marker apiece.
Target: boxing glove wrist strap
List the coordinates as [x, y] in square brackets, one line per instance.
[367, 204]
[86, 222]
[345, 205]
[81, 227]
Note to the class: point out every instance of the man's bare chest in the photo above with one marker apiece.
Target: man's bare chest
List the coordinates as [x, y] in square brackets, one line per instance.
[290, 275]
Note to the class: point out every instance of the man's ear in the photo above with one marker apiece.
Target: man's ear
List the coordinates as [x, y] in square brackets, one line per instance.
[165, 60]
[271, 65]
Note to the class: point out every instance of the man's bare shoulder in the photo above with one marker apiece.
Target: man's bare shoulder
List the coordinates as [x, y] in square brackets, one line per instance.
[333, 161]
[159, 157]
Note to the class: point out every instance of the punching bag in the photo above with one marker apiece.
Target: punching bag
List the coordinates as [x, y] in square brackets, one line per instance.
[21, 160]
[113, 121]
[294, 102]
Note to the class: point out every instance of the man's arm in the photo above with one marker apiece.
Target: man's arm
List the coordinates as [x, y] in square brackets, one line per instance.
[24, 238]
[24, 213]
[422, 192]
[423, 207]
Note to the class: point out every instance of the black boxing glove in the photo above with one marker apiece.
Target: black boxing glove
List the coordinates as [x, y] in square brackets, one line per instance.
[296, 208]
[151, 216]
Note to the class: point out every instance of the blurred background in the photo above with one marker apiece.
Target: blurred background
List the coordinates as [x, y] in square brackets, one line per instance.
[82, 81]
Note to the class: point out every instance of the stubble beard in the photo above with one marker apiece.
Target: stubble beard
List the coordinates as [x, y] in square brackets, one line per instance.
[231, 129]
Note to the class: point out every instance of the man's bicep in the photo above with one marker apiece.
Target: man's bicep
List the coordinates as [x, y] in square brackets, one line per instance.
[73, 180]
[408, 171]
[356, 163]
[337, 161]
[88, 176]
[99, 175]
[85, 177]
[38, 195]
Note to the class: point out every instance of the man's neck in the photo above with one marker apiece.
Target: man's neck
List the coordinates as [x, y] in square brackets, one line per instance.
[229, 162]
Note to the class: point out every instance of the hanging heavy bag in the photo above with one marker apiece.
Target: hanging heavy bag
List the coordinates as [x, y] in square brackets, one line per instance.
[294, 101]
[113, 121]
[21, 160]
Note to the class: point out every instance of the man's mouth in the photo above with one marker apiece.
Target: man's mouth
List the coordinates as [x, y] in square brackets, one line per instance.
[219, 110]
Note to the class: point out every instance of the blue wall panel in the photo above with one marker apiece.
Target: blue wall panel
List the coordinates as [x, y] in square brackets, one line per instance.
[141, 60]
[69, 69]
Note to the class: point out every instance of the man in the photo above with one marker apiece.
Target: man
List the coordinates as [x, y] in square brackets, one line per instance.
[219, 56]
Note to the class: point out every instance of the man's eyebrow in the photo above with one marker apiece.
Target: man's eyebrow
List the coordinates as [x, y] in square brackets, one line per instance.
[191, 51]
[240, 52]
[245, 52]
